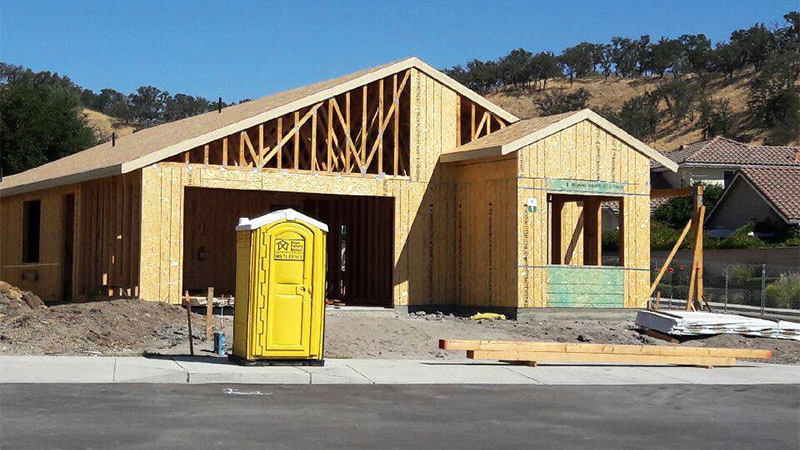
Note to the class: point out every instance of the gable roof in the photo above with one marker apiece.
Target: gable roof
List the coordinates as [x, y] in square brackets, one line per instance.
[727, 152]
[525, 132]
[151, 145]
[776, 185]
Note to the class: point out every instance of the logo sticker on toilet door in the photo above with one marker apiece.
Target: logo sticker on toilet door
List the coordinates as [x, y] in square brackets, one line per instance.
[290, 249]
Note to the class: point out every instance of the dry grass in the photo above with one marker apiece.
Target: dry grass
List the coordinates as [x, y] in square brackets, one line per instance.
[613, 92]
[103, 125]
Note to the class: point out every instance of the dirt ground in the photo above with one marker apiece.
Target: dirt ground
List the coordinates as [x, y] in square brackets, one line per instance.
[133, 327]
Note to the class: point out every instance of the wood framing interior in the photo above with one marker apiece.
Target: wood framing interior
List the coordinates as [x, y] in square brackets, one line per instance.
[360, 239]
[364, 131]
[580, 241]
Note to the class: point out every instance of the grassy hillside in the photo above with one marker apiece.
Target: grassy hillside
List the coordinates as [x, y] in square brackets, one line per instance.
[103, 125]
[613, 92]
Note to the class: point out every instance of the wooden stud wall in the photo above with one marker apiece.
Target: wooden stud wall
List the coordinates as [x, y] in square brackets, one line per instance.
[105, 240]
[108, 237]
[581, 152]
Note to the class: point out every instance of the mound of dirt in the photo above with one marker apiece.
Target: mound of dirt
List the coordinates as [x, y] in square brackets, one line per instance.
[14, 302]
[108, 327]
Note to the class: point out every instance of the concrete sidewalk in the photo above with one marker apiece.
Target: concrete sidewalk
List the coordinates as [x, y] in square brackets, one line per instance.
[201, 370]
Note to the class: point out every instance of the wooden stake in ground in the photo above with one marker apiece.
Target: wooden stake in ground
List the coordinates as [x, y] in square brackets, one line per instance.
[189, 318]
[209, 311]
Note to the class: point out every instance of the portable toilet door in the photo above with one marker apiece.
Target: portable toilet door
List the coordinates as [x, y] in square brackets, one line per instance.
[280, 279]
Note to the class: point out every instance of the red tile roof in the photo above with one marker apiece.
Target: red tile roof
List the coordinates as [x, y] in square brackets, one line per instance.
[727, 152]
[779, 185]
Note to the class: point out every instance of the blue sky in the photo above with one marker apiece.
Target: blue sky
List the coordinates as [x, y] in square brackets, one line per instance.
[248, 49]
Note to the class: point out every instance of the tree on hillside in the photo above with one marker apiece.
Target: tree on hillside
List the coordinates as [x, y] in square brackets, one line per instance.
[559, 102]
[726, 59]
[545, 66]
[39, 123]
[696, 54]
[754, 44]
[624, 55]
[716, 118]
[679, 96]
[516, 68]
[578, 61]
[638, 116]
[664, 55]
[774, 100]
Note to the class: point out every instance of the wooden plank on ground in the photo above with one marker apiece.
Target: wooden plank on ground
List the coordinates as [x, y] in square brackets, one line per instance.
[561, 347]
[531, 356]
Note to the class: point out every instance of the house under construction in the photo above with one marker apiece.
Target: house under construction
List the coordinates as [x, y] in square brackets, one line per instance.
[433, 195]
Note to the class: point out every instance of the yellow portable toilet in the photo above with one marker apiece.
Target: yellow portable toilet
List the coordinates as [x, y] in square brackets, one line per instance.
[279, 314]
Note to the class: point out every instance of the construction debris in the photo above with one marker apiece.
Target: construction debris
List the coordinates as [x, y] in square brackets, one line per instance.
[14, 301]
[489, 316]
[535, 352]
[693, 323]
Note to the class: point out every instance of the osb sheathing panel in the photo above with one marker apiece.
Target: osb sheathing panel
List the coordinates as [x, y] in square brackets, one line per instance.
[581, 152]
[45, 277]
[484, 232]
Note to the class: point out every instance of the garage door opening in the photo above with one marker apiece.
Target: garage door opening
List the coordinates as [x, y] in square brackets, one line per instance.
[360, 240]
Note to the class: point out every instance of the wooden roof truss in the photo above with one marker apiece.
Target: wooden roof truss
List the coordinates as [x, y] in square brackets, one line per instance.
[365, 130]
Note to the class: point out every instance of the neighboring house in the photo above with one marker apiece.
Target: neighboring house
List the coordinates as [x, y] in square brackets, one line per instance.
[767, 196]
[715, 161]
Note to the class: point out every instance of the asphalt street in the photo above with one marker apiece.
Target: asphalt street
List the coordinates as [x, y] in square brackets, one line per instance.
[125, 416]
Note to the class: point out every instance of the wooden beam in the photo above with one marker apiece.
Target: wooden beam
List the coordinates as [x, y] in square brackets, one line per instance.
[396, 100]
[670, 193]
[346, 126]
[244, 141]
[329, 136]
[314, 165]
[284, 139]
[209, 311]
[481, 125]
[472, 121]
[669, 258]
[278, 150]
[619, 349]
[224, 151]
[206, 151]
[350, 145]
[380, 120]
[458, 120]
[593, 234]
[296, 133]
[601, 358]
[364, 130]
[696, 278]
[260, 145]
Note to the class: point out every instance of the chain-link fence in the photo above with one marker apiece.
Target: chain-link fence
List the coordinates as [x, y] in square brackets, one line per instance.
[759, 285]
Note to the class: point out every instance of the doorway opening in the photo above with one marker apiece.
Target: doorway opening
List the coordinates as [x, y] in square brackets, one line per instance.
[68, 245]
[360, 242]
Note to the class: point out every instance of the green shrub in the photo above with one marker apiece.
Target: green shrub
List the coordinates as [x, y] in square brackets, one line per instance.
[741, 239]
[611, 240]
[662, 237]
[784, 293]
[675, 212]
[740, 275]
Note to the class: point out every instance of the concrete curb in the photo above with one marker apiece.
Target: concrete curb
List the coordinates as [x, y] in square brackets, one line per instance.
[206, 370]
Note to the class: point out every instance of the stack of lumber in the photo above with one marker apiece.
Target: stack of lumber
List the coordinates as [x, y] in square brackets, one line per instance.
[695, 323]
[534, 352]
